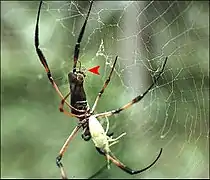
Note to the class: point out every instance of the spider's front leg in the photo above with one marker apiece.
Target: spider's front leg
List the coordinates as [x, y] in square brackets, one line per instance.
[77, 46]
[136, 99]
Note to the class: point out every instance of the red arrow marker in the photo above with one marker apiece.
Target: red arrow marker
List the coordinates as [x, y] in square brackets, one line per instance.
[94, 70]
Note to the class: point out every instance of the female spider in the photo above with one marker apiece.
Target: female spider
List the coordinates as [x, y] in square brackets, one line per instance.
[80, 109]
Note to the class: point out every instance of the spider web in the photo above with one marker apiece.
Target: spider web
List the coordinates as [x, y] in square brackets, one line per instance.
[174, 115]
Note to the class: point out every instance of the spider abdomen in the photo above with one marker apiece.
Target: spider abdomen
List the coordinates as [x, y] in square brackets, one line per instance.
[98, 134]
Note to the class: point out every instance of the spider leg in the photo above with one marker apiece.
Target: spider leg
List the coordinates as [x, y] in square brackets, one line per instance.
[41, 55]
[62, 151]
[104, 86]
[124, 167]
[77, 46]
[61, 108]
[113, 143]
[43, 59]
[116, 139]
[136, 99]
[107, 125]
[109, 134]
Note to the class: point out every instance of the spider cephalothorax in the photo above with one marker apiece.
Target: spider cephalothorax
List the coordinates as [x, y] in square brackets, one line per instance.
[78, 96]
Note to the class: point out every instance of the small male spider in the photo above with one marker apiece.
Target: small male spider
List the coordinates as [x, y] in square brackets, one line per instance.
[92, 129]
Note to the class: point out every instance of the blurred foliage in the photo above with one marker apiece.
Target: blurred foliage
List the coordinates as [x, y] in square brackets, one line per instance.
[175, 115]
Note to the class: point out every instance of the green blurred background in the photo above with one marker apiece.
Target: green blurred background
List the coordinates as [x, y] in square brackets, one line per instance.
[174, 115]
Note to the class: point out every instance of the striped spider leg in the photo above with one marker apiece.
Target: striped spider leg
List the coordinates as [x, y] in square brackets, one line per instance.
[79, 105]
[101, 140]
